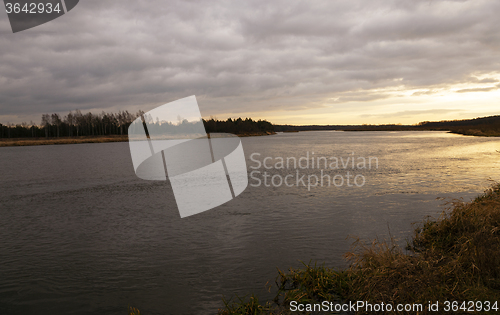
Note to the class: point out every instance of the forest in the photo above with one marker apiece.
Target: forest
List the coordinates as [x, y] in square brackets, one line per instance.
[483, 126]
[77, 124]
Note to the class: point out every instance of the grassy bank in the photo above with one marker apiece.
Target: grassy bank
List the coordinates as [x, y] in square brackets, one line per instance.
[477, 132]
[256, 134]
[465, 132]
[453, 258]
[15, 142]
[483, 126]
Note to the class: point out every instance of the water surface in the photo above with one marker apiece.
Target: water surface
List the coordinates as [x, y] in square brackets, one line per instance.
[81, 234]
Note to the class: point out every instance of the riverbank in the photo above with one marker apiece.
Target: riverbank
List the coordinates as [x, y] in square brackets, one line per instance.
[256, 134]
[453, 258]
[477, 132]
[465, 132]
[15, 142]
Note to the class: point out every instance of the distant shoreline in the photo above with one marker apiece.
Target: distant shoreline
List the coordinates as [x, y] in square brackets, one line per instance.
[476, 132]
[19, 142]
[483, 126]
[467, 132]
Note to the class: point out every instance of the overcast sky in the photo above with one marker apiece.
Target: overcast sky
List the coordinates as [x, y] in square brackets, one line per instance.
[297, 62]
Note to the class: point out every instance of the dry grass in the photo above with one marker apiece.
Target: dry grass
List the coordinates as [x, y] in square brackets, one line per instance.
[477, 132]
[63, 140]
[133, 311]
[455, 258]
[256, 134]
[15, 142]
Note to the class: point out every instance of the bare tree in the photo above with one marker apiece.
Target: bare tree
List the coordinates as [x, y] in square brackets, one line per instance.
[46, 124]
[69, 119]
[32, 127]
[79, 121]
[56, 120]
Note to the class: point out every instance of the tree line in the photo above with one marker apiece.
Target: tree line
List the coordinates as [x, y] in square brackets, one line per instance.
[487, 125]
[76, 124]
[238, 126]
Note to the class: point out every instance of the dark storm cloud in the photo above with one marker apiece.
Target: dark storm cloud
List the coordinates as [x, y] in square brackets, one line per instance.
[243, 56]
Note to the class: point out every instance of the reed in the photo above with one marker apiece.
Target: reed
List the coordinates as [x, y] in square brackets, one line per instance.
[133, 311]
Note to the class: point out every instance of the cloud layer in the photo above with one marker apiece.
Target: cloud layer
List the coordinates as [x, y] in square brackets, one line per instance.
[247, 56]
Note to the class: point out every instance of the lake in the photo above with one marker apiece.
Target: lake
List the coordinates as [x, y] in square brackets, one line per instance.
[81, 234]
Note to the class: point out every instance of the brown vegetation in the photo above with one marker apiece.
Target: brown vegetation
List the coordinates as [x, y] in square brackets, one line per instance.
[10, 142]
[14, 142]
[477, 132]
[455, 258]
